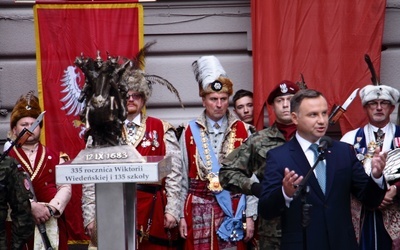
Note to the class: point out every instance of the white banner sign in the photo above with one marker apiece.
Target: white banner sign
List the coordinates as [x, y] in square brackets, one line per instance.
[107, 173]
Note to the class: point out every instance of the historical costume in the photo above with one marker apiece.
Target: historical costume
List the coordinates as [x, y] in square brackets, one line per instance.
[40, 162]
[213, 217]
[158, 204]
[380, 228]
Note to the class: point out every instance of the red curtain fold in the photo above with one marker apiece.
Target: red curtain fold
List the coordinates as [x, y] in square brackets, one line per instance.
[63, 32]
[325, 40]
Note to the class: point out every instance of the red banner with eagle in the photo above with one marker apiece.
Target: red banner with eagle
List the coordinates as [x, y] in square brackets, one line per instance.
[63, 33]
[325, 41]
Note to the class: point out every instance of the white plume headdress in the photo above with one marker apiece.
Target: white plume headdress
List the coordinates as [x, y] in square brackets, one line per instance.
[211, 76]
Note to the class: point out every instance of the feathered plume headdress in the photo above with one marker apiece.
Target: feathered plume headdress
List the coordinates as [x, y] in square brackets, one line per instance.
[211, 76]
[26, 106]
[377, 90]
[134, 77]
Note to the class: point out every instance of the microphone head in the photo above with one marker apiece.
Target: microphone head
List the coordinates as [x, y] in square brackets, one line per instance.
[327, 140]
[324, 143]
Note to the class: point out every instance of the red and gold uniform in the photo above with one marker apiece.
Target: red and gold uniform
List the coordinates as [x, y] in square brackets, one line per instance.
[42, 173]
[201, 210]
[152, 198]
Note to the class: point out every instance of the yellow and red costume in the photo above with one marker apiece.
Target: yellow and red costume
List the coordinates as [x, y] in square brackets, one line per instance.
[43, 178]
[201, 210]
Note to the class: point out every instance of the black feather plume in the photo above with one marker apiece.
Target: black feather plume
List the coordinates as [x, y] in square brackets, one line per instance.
[153, 79]
[138, 62]
[374, 78]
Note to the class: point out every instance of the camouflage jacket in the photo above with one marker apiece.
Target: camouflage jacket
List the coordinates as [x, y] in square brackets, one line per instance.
[248, 160]
[14, 193]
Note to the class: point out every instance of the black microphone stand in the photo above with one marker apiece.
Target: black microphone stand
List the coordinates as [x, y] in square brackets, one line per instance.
[303, 190]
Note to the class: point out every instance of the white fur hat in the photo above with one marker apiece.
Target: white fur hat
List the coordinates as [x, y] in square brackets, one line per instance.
[381, 92]
[211, 76]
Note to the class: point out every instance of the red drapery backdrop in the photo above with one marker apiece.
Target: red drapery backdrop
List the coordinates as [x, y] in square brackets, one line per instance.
[63, 32]
[325, 40]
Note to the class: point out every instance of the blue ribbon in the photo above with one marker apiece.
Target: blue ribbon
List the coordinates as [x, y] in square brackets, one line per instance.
[231, 228]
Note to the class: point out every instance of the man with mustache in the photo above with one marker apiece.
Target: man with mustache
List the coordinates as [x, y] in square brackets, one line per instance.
[378, 229]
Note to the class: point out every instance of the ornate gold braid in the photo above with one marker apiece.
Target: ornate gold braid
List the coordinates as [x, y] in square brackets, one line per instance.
[28, 167]
[138, 134]
[204, 139]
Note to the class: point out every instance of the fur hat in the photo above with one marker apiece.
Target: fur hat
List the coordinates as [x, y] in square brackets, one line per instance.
[26, 106]
[211, 76]
[381, 92]
[283, 88]
[136, 81]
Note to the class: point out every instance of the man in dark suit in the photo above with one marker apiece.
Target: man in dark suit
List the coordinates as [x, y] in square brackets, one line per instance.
[329, 225]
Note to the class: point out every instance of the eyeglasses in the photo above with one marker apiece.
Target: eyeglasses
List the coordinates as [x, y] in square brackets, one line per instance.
[134, 96]
[383, 104]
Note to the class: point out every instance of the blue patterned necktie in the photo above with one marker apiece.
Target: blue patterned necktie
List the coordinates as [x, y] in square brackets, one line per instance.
[131, 128]
[380, 136]
[320, 169]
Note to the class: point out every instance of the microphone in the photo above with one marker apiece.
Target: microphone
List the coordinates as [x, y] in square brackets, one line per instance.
[324, 143]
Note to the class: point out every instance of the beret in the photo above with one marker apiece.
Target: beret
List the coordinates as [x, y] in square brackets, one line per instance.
[283, 88]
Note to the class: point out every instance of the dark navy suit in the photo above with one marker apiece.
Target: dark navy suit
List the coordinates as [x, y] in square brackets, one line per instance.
[330, 223]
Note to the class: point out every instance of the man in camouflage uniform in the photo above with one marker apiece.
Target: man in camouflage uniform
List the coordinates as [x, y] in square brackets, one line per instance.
[248, 161]
[14, 193]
